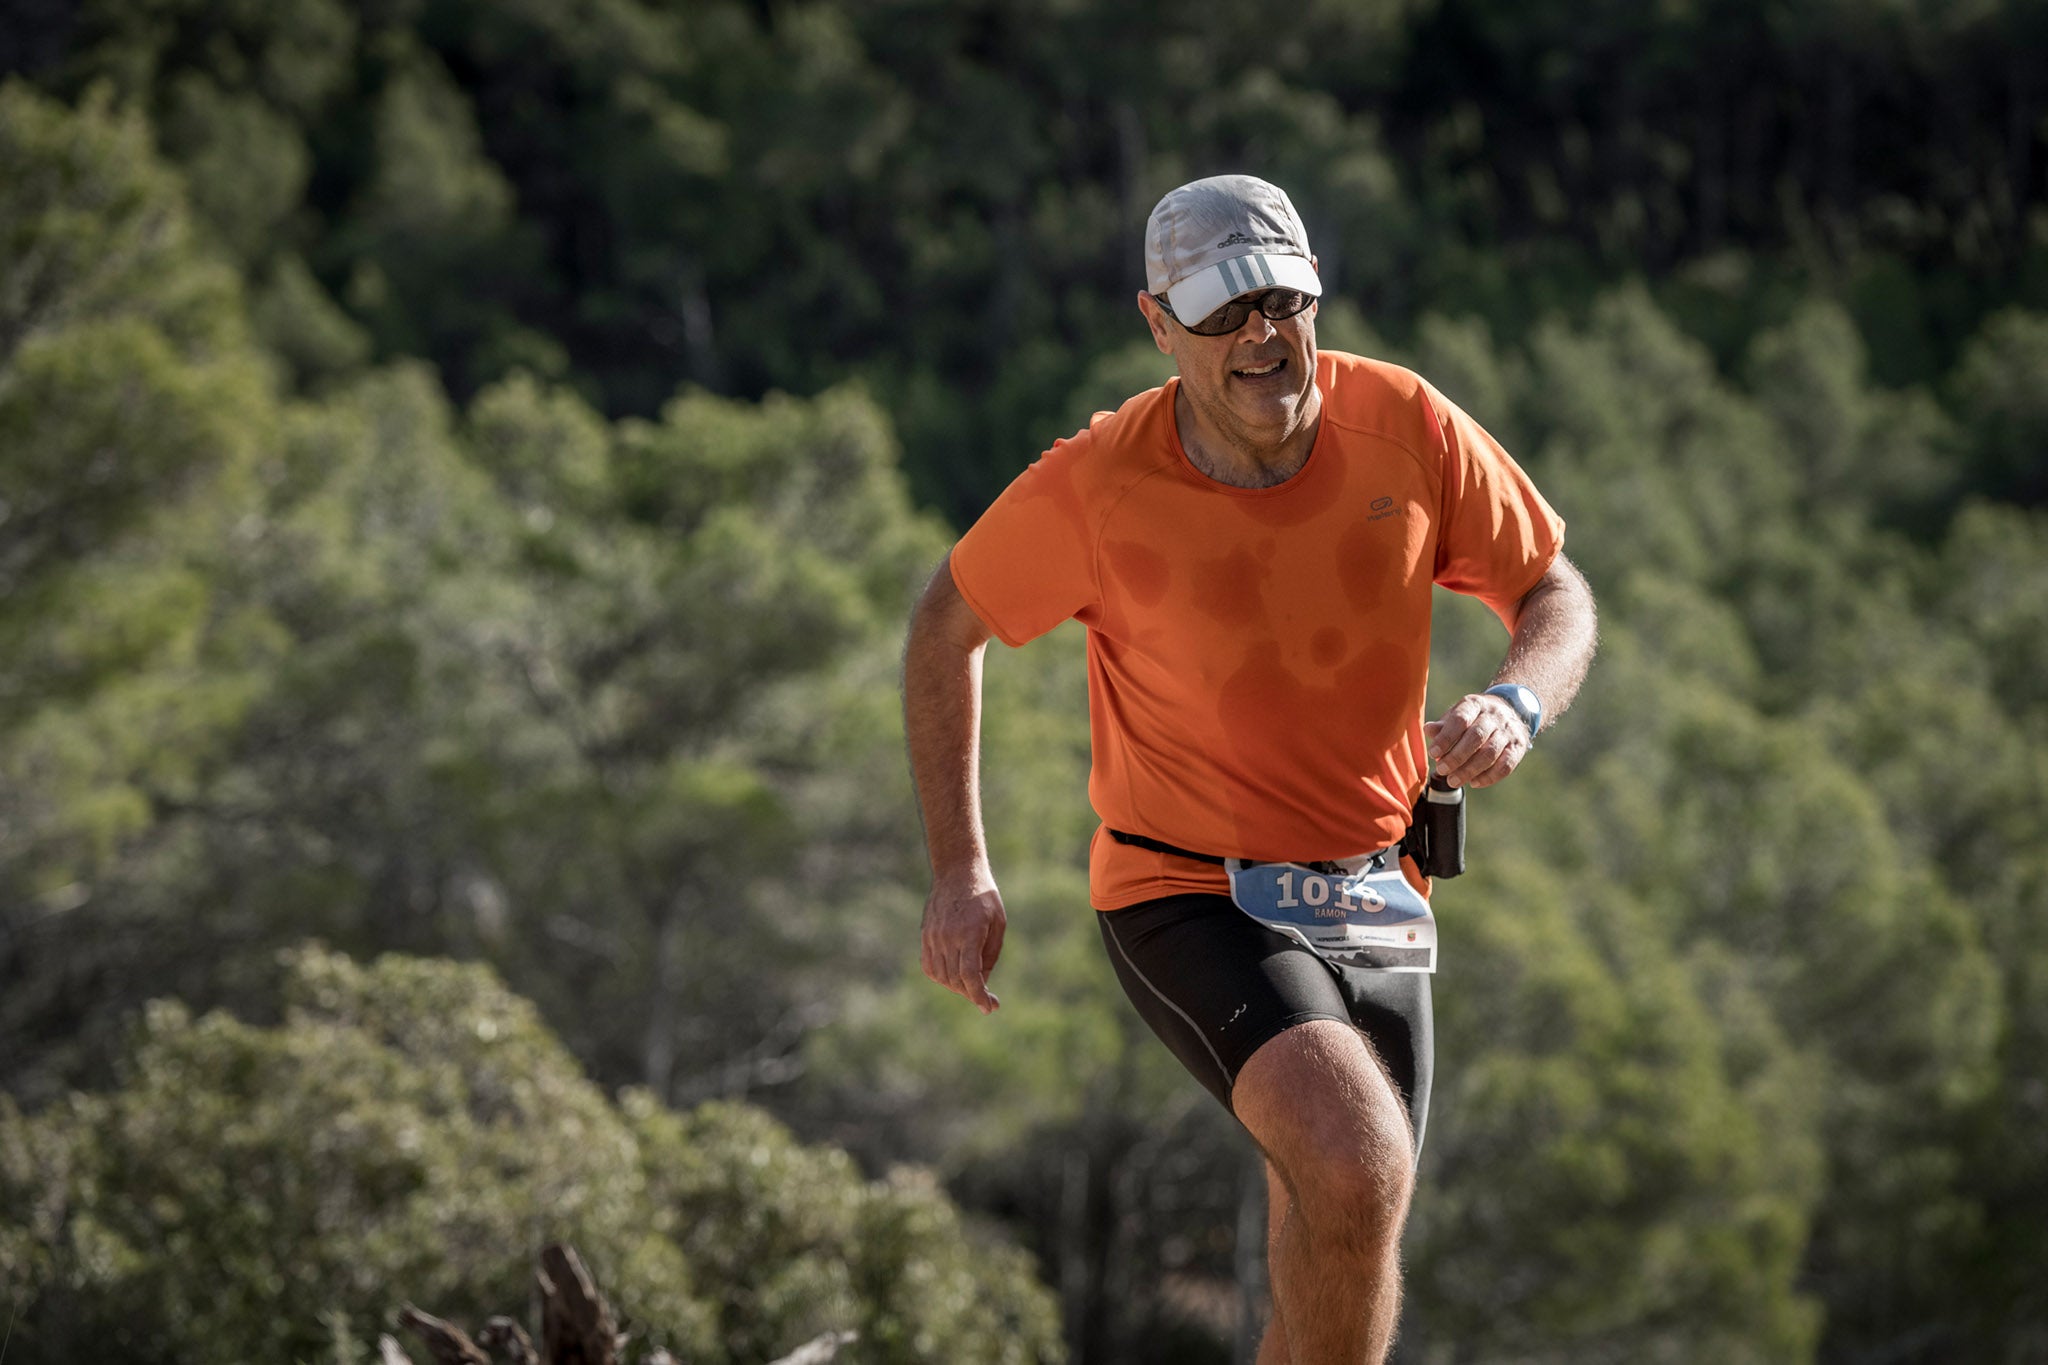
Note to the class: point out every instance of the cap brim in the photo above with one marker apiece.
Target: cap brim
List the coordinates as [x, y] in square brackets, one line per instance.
[1203, 292]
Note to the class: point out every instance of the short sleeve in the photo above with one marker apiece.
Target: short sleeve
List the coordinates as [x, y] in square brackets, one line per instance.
[1496, 536]
[1029, 562]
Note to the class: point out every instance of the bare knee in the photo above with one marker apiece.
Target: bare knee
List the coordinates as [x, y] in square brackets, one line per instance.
[1331, 1123]
[1355, 1206]
[1353, 1197]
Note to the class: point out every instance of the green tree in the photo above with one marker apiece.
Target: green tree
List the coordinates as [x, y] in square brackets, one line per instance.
[518, 682]
[135, 413]
[1999, 383]
[411, 1130]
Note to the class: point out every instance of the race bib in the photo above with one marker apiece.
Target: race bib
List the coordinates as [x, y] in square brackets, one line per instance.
[1371, 918]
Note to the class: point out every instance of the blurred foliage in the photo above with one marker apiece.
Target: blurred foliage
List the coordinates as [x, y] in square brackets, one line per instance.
[408, 538]
[515, 680]
[412, 1129]
[939, 198]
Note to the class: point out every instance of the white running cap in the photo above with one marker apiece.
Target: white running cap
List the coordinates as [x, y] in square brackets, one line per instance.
[1210, 241]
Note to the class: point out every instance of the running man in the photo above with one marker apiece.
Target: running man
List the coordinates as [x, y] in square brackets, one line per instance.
[1252, 548]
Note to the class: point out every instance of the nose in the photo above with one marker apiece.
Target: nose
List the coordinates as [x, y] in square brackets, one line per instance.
[1257, 327]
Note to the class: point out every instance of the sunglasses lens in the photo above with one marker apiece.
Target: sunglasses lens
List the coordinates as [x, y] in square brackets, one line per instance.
[1274, 303]
[1283, 303]
[1228, 318]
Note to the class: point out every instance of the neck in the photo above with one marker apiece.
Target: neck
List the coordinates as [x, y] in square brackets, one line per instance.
[1238, 457]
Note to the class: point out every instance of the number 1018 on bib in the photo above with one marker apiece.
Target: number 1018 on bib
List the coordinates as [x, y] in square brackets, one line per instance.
[1372, 919]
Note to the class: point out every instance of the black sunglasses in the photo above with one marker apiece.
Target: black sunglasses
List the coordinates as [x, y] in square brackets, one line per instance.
[1275, 304]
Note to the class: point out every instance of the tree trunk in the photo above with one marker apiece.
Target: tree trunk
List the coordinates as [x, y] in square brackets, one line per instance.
[659, 1043]
[1076, 1270]
[1250, 1255]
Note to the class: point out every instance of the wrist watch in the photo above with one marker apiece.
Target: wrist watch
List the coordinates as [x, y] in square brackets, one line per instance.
[1524, 703]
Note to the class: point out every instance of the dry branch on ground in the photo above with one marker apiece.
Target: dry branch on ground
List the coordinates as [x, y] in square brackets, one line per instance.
[577, 1328]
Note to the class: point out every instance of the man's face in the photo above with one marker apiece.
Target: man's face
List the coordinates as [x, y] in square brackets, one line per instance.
[1253, 386]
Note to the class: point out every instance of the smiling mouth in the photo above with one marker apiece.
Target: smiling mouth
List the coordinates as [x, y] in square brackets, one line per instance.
[1264, 370]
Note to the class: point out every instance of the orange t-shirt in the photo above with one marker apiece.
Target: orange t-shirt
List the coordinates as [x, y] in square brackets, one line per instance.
[1257, 657]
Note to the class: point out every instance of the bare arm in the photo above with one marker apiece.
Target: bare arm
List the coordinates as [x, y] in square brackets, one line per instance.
[1481, 739]
[963, 916]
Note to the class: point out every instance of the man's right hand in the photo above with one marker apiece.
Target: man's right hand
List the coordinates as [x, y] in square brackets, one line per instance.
[963, 936]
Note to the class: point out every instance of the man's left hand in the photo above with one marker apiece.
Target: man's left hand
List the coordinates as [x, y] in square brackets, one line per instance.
[1477, 743]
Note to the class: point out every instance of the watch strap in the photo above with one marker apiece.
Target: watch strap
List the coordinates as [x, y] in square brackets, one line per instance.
[1524, 702]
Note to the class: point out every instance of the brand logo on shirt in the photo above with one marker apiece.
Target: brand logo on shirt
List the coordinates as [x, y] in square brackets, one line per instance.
[1383, 508]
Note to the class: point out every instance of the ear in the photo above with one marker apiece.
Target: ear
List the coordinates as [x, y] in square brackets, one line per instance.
[1162, 335]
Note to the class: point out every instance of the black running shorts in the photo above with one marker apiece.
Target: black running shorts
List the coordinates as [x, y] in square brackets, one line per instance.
[1215, 985]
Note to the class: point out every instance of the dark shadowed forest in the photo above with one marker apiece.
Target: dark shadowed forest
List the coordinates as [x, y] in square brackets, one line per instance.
[464, 471]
